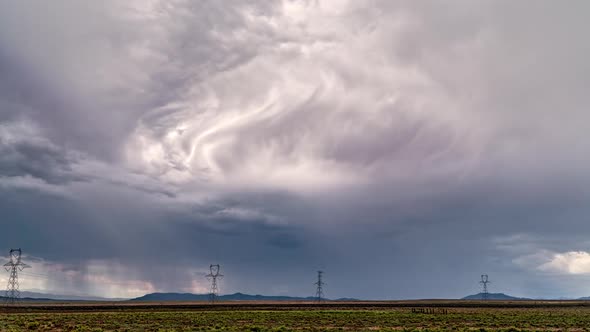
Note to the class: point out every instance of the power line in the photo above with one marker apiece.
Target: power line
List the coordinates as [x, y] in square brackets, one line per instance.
[213, 276]
[319, 293]
[484, 284]
[34, 274]
[14, 266]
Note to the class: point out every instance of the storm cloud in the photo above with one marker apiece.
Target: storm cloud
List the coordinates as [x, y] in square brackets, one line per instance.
[388, 143]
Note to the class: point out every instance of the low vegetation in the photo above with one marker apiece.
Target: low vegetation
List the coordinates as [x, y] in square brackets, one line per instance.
[394, 319]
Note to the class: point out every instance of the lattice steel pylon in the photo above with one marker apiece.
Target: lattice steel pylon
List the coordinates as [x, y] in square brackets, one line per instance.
[15, 265]
[319, 293]
[213, 275]
[484, 284]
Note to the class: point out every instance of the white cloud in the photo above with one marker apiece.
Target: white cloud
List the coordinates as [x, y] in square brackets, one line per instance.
[571, 262]
[529, 252]
[318, 104]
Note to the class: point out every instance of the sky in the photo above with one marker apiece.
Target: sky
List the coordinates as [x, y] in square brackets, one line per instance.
[403, 147]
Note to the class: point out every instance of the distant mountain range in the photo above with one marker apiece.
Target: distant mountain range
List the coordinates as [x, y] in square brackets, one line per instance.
[188, 297]
[228, 297]
[494, 296]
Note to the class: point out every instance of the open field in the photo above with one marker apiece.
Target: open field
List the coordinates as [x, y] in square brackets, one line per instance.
[301, 316]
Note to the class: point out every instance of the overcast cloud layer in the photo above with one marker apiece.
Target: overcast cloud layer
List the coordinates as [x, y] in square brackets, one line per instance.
[403, 147]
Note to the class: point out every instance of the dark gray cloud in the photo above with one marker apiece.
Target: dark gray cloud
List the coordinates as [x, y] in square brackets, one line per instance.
[388, 143]
[31, 156]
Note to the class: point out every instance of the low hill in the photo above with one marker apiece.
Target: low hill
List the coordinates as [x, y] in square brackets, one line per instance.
[228, 297]
[26, 296]
[28, 299]
[39, 295]
[493, 296]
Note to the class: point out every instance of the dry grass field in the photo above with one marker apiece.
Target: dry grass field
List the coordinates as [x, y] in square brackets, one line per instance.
[300, 316]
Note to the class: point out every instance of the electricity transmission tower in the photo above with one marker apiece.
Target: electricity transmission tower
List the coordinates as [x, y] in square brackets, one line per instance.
[213, 276]
[319, 293]
[484, 284]
[15, 265]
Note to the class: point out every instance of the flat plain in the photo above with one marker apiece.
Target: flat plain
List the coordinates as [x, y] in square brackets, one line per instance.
[434, 315]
